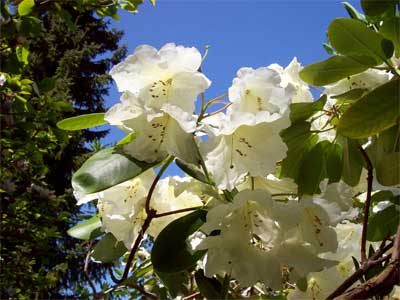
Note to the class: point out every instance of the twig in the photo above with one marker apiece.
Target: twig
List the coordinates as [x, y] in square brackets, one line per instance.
[153, 185]
[373, 261]
[218, 111]
[383, 282]
[194, 295]
[85, 270]
[176, 211]
[151, 213]
[367, 204]
[142, 290]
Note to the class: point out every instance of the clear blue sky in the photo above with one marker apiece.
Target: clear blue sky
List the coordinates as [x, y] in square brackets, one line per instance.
[240, 34]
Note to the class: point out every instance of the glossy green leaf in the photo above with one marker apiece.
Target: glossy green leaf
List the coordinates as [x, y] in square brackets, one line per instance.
[108, 249]
[82, 122]
[191, 170]
[299, 141]
[388, 169]
[85, 229]
[301, 284]
[353, 12]
[175, 282]
[105, 169]
[391, 31]
[377, 7]
[352, 94]
[352, 161]
[25, 7]
[381, 196]
[303, 111]
[334, 161]
[210, 288]
[351, 37]
[30, 26]
[170, 253]
[22, 55]
[332, 70]
[383, 224]
[312, 170]
[373, 113]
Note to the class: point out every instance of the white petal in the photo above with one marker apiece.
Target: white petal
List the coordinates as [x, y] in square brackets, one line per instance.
[160, 137]
[181, 58]
[253, 149]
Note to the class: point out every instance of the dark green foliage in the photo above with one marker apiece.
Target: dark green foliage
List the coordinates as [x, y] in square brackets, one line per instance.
[49, 57]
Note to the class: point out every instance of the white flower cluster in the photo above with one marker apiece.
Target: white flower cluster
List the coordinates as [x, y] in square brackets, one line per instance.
[257, 236]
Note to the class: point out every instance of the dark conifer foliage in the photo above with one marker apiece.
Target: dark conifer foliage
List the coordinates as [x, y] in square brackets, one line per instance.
[70, 54]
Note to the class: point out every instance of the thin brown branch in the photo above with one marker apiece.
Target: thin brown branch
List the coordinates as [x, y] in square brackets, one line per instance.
[373, 261]
[142, 291]
[217, 111]
[153, 185]
[176, 211]
[367, 204]
[194, 295]
[85, 270]
[151, 213]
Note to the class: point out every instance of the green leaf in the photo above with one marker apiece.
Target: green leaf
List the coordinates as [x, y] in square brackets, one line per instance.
[173, 238]
[299, 141]
[352, 161]
[381, 196]
[191, 170]
[301, 284]
[334, 161]
[353, 13]
[129, 138]
[377, 7]
[30, 26]
[388, 169]
[391, 31]
[22, 55]
[175, 282]
[82, 122]
[25, 7]
[312, 170]
[303, 111]
[332, 69]
[108, 249]
[105, 169]
[84, 229]
[210, 288]
[383, 224]
[47, 84]
[352, 94]
[352, 37]
[373, 113]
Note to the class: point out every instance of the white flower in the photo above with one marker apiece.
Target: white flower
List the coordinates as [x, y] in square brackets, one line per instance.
[321, 284]
[165, 80]
[3, 79]
[258, 237]
[248, 149]
[271, 183]
[257, 96]
[158, 138]
[290, 75]
[122, 207]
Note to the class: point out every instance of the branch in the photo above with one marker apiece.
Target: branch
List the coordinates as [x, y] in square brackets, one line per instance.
[176, 211]
[373, 261]
[383, 282]
[367, 204]
[85, 270]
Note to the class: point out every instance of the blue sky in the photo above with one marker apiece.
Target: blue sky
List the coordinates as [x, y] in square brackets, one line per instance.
[240, 34]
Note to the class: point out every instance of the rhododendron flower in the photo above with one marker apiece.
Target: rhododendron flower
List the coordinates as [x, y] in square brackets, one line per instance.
[257, 96]
[321, 284]
[166, 80]
[255, 232]
[290, 75]
[248, 149]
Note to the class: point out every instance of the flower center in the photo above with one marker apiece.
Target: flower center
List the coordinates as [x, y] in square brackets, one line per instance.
[159, 91]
